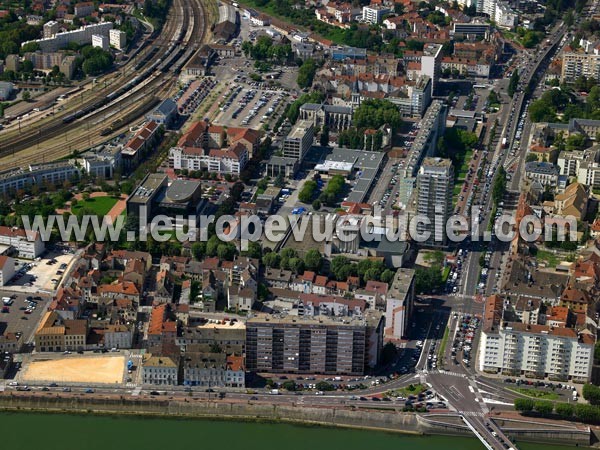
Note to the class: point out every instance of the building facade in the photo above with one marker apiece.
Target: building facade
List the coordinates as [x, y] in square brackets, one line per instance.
[319, 345]
[434, 198]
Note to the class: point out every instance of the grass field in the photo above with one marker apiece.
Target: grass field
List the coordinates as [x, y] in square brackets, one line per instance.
[412, 389]
[100, 205]
[548, 257]
[536, 394]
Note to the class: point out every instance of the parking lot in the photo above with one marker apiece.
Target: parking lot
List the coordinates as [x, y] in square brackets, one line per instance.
[14, 318]
[247, 104]
[42, 275]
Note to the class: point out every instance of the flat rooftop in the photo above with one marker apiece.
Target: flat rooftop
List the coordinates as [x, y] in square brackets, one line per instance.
[299, 129]
[146, 191]
[182, 190]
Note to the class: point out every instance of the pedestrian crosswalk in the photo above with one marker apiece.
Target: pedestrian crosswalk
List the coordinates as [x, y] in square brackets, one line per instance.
[447, 372]
[473, 413]
[130, 385]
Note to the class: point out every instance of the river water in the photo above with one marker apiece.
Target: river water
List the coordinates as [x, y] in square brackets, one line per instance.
[27, 431]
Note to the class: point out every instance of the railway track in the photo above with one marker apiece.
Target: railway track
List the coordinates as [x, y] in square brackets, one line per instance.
[47, 141]
[59, 123]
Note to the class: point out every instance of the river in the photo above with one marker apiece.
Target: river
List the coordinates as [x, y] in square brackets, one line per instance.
[27, 431]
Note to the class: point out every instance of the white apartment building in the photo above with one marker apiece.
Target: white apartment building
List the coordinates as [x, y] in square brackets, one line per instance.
[51, 173]
[399, 304]
[79, 36]
[417, 99]
[582, 62]
[434, 198]
[299, 141]
[499, 11]
[431, 63]
[100, 41]
[584, 165]
[374, 13]
[229, 160]
[117, 39]
[28, 244]
[531, 350]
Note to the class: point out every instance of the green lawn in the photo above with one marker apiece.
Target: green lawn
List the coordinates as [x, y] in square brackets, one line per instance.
[445, 273]
[443, 345]
[412, 389]
[536, 394]
[100, 205]
[548, 257]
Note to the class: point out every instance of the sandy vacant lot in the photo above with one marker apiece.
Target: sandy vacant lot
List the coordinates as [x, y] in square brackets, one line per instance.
[96, 369]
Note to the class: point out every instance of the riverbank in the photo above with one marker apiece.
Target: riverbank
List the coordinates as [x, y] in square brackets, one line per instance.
[368, 418]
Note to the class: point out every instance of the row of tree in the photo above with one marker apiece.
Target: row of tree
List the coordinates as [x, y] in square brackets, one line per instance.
[582, 412]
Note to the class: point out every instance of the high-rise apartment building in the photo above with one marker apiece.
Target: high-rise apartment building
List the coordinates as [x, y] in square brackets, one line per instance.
[320, 345]
[434, 198]
[299, 141]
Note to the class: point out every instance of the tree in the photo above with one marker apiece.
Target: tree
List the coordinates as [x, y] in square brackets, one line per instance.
[513, 84]
[296, 265]
[26, 96]
[387, 276]
[226, 251]
[565, 410]
[289, 386]
[306, 73]
[215, 348]
[587, 413]
[271, 259]
[324, 386]
[544, 407]
[591, 393]
[324, 139]
[313, 259]
[199, 250]
[524, 404]
[254, 250]
[316, 205]
[307, 192]
[427, 280]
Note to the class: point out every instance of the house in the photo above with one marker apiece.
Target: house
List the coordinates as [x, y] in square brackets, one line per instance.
[160, 370]
[213, 370]
[56, 335]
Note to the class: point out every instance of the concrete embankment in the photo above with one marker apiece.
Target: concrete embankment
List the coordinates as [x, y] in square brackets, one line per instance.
[362, 418]
[366, 419]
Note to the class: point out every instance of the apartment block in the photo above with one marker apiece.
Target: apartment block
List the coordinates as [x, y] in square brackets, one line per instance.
[435, 181]
[319, 345]
[299, 141]
[584, 61]
[531, 350]
[374, 14]
[100, 41]
[79, 36]
[117, 39]
[28, 244]
[399, 305]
